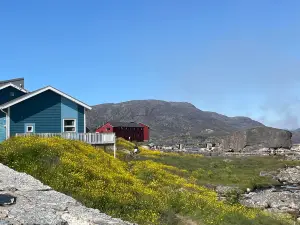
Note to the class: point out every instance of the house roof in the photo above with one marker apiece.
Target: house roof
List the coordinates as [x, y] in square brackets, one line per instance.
[144, 125]
[124, 124]
[5, 85]
[39, 91]
[9, 81]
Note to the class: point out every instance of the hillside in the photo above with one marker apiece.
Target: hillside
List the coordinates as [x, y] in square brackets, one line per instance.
[168, 119]
[155, 188]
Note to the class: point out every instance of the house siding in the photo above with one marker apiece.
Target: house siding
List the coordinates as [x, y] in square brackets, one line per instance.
[68, 111]
[106, 128]
[128, 133]
[146, 132]
[2, 126]
[71, 110]
[5, 94]
[43, 110]
[81, 128]
[46, 112]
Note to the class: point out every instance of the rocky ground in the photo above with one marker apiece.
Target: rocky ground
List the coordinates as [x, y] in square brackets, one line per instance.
[282, 198]
[25, 200]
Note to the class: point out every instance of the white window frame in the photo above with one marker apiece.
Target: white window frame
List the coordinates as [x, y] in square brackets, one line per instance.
[32, 129]
[75, 125]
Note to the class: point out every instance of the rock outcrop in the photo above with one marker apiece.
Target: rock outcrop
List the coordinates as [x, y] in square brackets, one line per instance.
[257, 138]
[273, 200]
[280, 198]
[289, 175]
[27, 201]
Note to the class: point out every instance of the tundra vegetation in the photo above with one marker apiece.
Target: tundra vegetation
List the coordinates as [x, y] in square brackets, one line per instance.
[151, 188]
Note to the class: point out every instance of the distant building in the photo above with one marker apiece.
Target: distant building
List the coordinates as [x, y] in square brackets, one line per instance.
[130, 131]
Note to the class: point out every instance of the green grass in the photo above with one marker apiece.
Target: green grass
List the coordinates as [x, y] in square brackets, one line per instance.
[242, 172]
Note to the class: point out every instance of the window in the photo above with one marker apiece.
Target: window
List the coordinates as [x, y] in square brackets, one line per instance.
[12, 94]
[69, 125]
[108, 128]
[29, 129]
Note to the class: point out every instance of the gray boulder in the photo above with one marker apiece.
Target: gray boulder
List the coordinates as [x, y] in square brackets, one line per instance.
[289, 175]
[272, 200]
[257, 138]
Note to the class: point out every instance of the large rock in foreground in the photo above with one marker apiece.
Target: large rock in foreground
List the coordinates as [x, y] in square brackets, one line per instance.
[280, 198]
[35, 203]
[273, 200]
[289, 175]
[257, 138]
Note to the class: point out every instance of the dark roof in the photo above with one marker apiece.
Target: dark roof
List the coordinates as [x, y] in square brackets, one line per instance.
[9, 81]
[31, 94]
[124, 124]
[22, 96]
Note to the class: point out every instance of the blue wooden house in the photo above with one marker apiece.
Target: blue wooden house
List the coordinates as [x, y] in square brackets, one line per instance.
[43, 112]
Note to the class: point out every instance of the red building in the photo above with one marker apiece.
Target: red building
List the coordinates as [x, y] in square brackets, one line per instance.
[129, 131]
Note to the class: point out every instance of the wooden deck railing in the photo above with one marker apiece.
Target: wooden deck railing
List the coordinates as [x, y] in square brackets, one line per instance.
[90, 138]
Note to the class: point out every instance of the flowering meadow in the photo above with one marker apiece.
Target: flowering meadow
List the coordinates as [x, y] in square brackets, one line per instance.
[141, 191]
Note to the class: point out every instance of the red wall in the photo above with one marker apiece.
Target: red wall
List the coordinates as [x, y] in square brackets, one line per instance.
[146, 132]
[106, 128]
[135, 133]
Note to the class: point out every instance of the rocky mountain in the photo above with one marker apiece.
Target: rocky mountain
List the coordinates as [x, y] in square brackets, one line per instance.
[169, 119]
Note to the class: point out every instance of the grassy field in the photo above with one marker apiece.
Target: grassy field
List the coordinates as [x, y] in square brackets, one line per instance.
[153, 188]
[242, 172]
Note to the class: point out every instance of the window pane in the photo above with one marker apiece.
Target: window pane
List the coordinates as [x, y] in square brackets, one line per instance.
[69, 129]
[29, 129]
[69, 122]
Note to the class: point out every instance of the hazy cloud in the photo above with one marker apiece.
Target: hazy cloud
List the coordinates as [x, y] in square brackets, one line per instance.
[281, 112]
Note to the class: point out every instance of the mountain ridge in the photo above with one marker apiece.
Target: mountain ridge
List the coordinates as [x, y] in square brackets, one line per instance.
[169, 119]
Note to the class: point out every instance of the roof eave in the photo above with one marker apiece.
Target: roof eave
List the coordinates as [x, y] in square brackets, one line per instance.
[14, 86]
[32, 94]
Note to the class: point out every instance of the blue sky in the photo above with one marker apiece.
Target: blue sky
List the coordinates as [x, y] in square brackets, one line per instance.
[231, 57]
